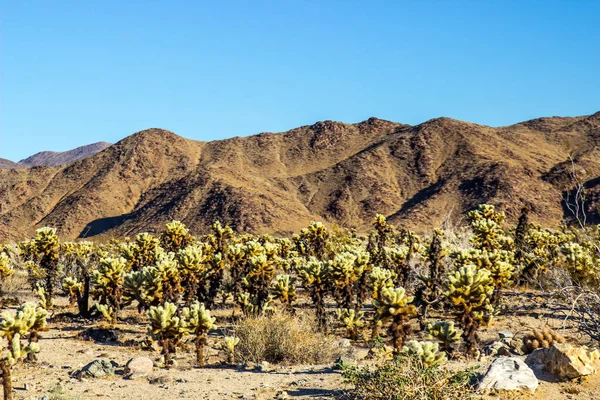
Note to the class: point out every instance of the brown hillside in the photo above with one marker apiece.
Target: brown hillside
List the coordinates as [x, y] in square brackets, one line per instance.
[340, 173]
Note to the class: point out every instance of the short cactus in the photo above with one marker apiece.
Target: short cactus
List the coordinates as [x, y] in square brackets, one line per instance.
[445, 333]
[108, 285]
[284, 289]
[230, 342]
[540, 339]
[166, 328]
[13, 329]
[352, 320]
[428, 353]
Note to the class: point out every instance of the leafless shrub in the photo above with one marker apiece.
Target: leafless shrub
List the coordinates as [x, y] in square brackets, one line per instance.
[284, 338]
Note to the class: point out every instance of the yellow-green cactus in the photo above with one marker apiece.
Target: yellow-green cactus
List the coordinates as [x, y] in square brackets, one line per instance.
[230, 343]
[108, 284]
[380, 278]
[284, 289]
[428, 353]
[166, 328]
[469, 291]
[394, 306]
[445, 332]
[199, 322]
[175, 237]
[352, 320]
[344, 271]
[14, 328]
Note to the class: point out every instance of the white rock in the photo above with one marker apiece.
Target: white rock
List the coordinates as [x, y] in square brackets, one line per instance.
[566, 361]
[509, 373]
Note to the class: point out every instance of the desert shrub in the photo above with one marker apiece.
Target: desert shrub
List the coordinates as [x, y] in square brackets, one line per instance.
[283, 338]
[407, 378]
[428, 353]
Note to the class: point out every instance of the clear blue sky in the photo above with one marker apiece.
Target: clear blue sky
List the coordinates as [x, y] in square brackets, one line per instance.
[76, 72]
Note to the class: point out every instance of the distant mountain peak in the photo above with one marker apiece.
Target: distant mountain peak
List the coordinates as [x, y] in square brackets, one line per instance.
[54, 158]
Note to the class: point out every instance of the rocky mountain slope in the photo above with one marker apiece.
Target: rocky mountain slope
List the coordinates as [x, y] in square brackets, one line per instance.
[340, 173]
[4, 163]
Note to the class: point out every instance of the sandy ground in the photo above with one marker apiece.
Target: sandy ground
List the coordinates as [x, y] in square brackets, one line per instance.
[63, 352]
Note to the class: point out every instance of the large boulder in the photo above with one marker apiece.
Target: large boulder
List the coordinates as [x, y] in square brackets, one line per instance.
[508, 373]
[138, 367]
[566, 361]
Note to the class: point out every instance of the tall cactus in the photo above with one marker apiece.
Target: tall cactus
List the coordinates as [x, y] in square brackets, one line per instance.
[108, 286]
[6, 270]
[314, 274]
[199, 322]
[469, 291]
[284, 289]
[394, 306]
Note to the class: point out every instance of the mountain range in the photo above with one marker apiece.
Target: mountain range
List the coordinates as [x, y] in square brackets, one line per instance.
[418, 176]
[54, 158]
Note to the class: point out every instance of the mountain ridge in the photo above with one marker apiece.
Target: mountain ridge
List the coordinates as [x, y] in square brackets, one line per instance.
[55, 158]
[277, 182]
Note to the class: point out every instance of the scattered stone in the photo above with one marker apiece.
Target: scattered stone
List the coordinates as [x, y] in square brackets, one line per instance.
[44, 397]
[506, 334]
[100, 335]
[160, 380]
[181, 380]
[27, 386]
[497, 348]
[299, 382]
[249, 366]
[138, 367]
[566, 361]
[263, 366]
[345, 343]
[98, 368]
[282, 395]
[508, 373]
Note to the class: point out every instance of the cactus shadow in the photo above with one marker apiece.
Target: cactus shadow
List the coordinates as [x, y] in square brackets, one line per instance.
[312, 392]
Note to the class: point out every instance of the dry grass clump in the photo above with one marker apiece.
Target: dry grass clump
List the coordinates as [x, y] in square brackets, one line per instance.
[284, 338]
[540, 339]
[407, 378]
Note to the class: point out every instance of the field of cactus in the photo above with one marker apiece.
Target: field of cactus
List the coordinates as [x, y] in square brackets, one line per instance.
[226, 305]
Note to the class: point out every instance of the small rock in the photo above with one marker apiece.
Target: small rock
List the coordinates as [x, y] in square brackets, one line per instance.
[566, 361]
[345, 343]
[497, 348]
[506, 334]
[100, 335]
[160, 380]
[44, 397]
[138, 367]
[98, 368]
[508, 373]
[263, 366]
[299, 382]
[282, 395]
[342, 361]
[27, 386]
[249, 366]
[181, 380]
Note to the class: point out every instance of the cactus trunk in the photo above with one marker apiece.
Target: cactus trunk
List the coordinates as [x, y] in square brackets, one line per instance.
[6, 381]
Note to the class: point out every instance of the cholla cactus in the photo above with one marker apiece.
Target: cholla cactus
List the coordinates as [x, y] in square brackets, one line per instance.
[13, 329]
[108, 285]
[198, 322]
[394, 305]
[43, 251]
[344, 272]
[428, 353]
[500, 263]
[352, 320]
[581, 263]
[312, 241]
[469, 291]
[540, 339]
[230, 342]
[259, 280]
[398, 260]
[175, 237]
[487, 228]
[80, 258]
[445, 333]
[45, 301]
[143, 252]
[6, 268]
[166, 328]
[72, 288]
[192, 270]
[380, 278]
[314, 274]
[144, 286]
[284, 289]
